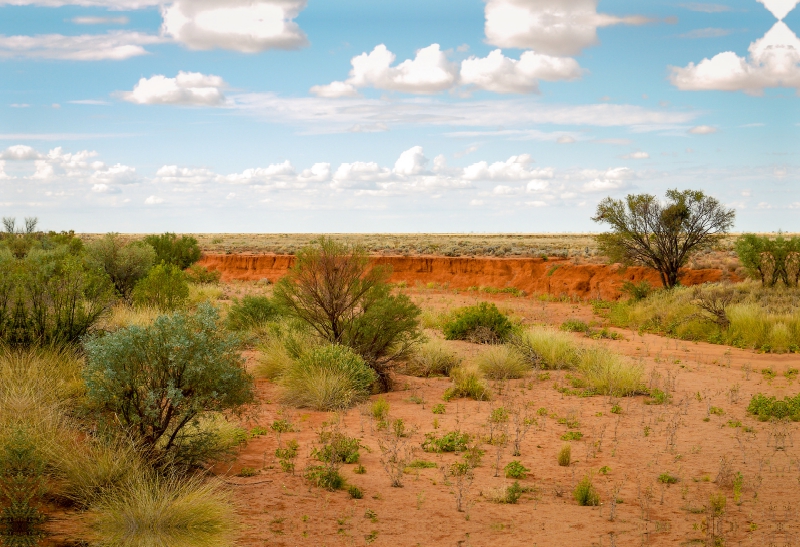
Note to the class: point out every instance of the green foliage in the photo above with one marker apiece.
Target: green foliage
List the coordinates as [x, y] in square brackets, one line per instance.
[355, 492]
[337, 448]
[330, 377]
[332, 289]
[467, 383]
[165, 287]
[659, 235]
[482, 323]
[637, 291]
[251, 312]
[438, 409]
[770, 260]
[201, 275]
[515, 470]
[575, 325]
[455, 441]
[124, 263]
[380, 409]
[565, 455]
[422, 464]
[179, 252]
[607, 373]
[159, 381]
[667, 478]
[766, 408]
[658, 397]
[585, 493]
[324, 476]
[431, 359]
[572, 436]
[50, 297]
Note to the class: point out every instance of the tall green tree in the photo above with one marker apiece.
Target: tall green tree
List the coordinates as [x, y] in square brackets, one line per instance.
[661, 235]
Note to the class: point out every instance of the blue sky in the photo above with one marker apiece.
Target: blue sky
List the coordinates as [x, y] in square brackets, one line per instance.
[364, 116]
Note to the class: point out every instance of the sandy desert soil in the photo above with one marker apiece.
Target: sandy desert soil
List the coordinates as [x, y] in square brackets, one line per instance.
[701, 448]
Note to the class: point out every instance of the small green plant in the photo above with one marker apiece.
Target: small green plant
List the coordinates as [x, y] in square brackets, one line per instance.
[513, 493]
[616, 409]
[421, 464]
[667, 478]
[572, 436]
[247, 472]
[605, 470]
[336, 447]
[379, 409]
[585, 493]
[324, 476]
[467, 383]
[768, 373]
[515, 470]
[637, 291]
[355, 492]
[287, 455]
[360, 470]
[481, 323]
[715, 410]
[565, 455]
[455, 441]
[438, 409]
[738, 485]
[658, 397]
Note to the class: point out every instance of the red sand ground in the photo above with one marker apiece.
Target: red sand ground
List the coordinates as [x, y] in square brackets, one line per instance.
[532, 275]
[279, 509]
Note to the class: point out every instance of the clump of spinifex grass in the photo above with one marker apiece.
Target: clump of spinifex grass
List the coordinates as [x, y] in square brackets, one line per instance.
[547, 348]
[502, 363]
[607, 373]
[179, 511]
[431, 359]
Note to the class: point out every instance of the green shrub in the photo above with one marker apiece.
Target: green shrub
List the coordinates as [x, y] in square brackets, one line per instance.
[467, 383]
[201, 275]
[513, 493]
[585, 493]
[328, 377]
[158, 381]
[125, 264]
[333, 290]
[766, 408]
[637, 291]
[438, 409]
[565, 455]
[547, 348]
[251, 312]
[165, 287]
[575, 325]
[337, 448]
[179, 252]
[431, 359]
[501, 363]
[355, 492]
[324, 476]
[178, 511]
[422, 464]
[455, 441]
[515, 470]
[50, 297]
[380, 409]
[572, 436]
[481, 323]
[667, 478]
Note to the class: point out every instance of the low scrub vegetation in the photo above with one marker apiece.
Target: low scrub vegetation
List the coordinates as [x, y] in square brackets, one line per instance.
[766, 408]
[251, 312]
[547, 348]
[431, 359]
[482, 323]
[467, 382]
[744, 315]
[607, 373]
[502, 363]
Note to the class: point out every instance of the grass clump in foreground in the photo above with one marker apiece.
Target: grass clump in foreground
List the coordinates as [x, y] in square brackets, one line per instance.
[455, 441]
[467, 383]
[547, 348]
[431, 359]
[501, 363]
[766, 408]
[607, 373]
[328, 377]
[481, 323]
[177, 511]
[565, 455]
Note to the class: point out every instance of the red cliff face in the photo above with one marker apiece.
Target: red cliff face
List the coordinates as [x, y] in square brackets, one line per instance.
[532, 275]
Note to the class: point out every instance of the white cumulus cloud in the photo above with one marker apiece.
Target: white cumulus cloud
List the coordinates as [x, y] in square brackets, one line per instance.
[429, 72]
[500, 74]
[112, 46]
[249, 26]
[553, 27]
[773, 61]
[187, 88]
[617, 178]
[703, 130]
[636, 156]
